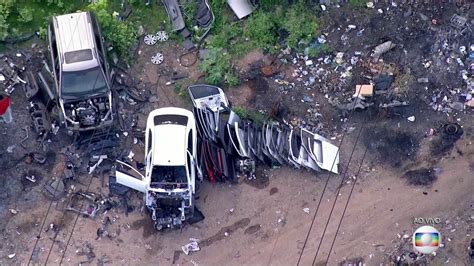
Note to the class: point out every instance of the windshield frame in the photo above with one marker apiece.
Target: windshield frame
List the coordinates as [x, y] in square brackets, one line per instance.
[84, 91]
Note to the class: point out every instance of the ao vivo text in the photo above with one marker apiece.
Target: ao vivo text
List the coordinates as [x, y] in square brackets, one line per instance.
[426, 220]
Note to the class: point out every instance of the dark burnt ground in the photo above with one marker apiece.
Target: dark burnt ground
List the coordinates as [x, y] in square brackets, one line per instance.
[420, 177]
[391, 139]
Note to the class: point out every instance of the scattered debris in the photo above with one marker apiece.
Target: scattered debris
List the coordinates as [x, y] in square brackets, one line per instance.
[192, 246]
[86, 250]
[364, 90]
[382, 48]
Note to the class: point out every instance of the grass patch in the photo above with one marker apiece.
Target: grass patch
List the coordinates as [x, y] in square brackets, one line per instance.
[218, 67]
[249, 114]
[358, 3]
[273, 23]
[315, 51]
[153, 18]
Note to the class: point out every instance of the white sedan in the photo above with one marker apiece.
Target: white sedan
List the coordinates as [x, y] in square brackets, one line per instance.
[169, 182]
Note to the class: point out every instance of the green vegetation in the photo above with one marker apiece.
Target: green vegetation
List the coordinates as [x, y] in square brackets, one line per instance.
[218, 68]
[120, 34]
[253, 115]
[260, 28]
[358, 3]
[318, 50]
[275, 21]
[300, 24]
[274, 25]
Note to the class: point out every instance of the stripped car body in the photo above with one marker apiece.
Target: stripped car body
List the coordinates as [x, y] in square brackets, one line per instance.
[81, 72]
[169, 182]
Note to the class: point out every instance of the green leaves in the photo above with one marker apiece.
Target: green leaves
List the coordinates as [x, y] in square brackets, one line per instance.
[261, 29]
[26, 14]
[300, 25]
[5, 9]
[218, 68]
[120, 34]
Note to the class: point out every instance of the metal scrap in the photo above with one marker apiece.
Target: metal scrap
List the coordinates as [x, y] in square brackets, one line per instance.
[174, 13]
[40, 118]
[231, 144]
[97, 205]
[241, 8]
[192, 246]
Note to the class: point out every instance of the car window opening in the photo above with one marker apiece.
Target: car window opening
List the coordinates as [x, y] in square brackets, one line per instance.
[83, 82]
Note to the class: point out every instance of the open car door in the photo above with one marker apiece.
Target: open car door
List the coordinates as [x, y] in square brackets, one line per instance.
[130, 177]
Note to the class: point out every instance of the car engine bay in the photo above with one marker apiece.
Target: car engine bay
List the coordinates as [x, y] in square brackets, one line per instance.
[87, 113]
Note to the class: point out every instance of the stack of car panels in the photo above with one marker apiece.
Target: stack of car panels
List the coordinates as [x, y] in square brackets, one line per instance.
[229, 144]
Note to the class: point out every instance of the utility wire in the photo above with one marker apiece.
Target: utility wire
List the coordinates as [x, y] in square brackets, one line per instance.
[345, 207]
[54, 239]
[327, 181]
[82, 204]
[42, 225]
[338, 190]
[347, 203]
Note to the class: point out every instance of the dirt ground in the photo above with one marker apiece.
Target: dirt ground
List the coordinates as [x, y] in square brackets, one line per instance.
[262, 221]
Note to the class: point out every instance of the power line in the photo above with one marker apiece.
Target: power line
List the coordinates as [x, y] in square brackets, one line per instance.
[319, 202]
[345, 207]
[326, 183]
[338, 190]
[54, 239]
[74, 225]
[82, 204]
[347, 203]
[42, 225]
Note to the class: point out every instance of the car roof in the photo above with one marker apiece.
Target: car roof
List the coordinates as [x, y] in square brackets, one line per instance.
[169, 140]
[75, 38]
[169, 145]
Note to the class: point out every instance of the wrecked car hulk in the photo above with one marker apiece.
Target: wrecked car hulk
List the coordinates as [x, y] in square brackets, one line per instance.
[169, 183]
[81, 72]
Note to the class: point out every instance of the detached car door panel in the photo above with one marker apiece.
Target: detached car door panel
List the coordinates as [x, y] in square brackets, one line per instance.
[130, 177]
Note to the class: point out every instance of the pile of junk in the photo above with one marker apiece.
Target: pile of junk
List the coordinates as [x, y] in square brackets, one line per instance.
[230, 147]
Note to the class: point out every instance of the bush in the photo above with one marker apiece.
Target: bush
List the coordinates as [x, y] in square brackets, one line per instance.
[260, 29]
[253, 115]
[300, 25]
[58, 3]
[229, 32]
[5, 9]
[121, 35]
[317, 51]
[26, 14]
[218, 68]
